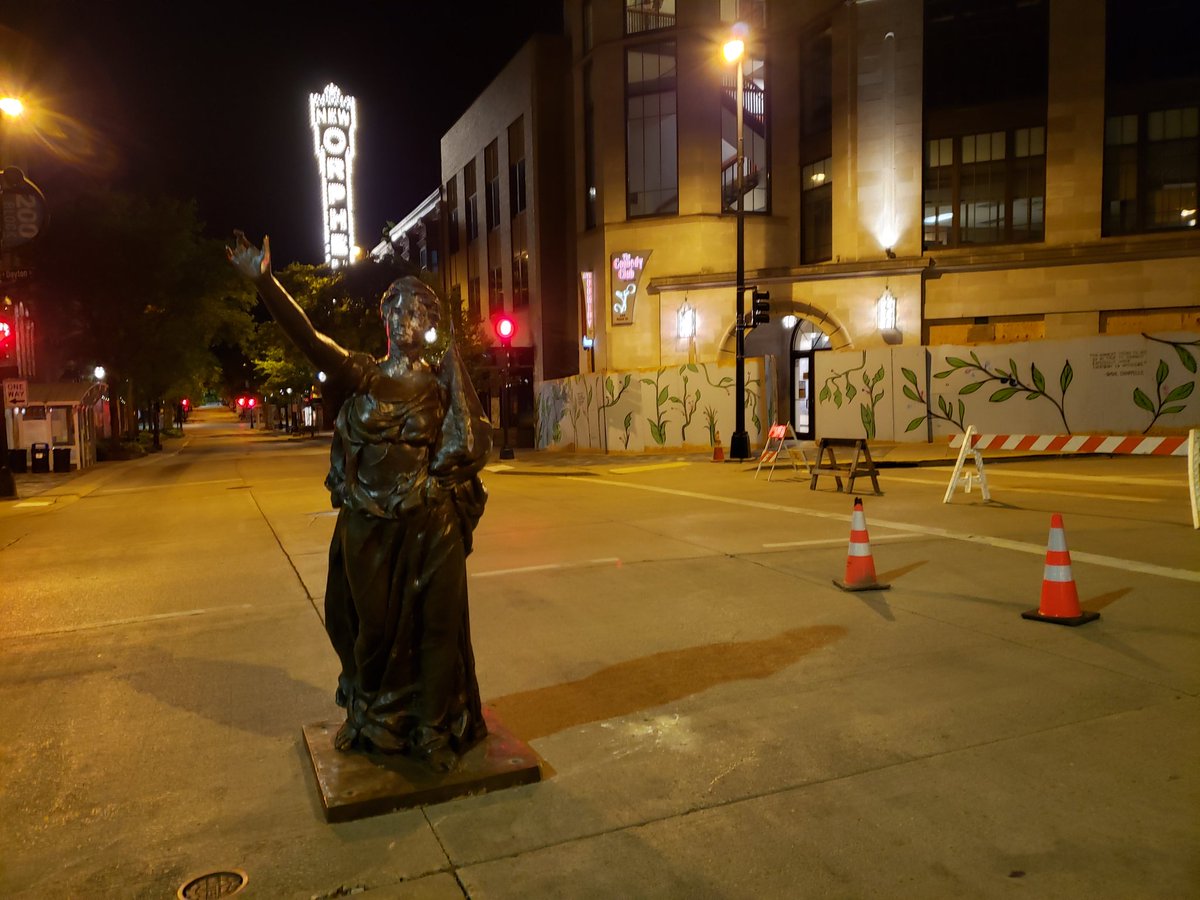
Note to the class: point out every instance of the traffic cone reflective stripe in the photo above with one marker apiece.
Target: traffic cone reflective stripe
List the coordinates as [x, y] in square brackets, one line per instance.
[1060, 598]
[860, 565]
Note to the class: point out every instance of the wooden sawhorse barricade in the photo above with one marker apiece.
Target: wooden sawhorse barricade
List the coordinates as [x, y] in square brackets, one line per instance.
[860, 464]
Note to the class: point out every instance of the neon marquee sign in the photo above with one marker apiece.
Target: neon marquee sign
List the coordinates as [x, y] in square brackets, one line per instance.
[627, 271]
[332, 116]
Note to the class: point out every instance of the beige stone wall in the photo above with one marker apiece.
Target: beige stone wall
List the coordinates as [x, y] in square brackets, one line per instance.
[1075, 122]
[1133, 285]
[885, 205]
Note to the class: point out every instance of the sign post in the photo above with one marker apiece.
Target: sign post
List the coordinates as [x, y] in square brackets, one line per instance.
[22, 219]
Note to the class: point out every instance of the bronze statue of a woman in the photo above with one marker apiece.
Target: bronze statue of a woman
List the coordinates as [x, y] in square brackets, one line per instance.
[409, 442]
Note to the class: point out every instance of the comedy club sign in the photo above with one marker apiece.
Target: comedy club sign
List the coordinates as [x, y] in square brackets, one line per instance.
[332, 116]
[627, 271]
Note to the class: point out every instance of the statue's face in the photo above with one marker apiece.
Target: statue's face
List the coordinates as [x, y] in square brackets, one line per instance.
[405, 319]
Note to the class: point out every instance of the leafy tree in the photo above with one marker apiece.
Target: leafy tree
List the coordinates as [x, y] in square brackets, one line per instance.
[130, 282]
[344, 304]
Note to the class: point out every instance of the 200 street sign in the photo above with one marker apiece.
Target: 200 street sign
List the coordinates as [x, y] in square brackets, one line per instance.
[22, 209]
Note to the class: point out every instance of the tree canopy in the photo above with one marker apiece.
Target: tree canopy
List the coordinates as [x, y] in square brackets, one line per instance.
[130, 283]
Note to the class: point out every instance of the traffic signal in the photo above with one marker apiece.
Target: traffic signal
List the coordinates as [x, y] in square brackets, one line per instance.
[760, 307]
[506, 328]
[185, 403]
[241, 401]
[8, 335]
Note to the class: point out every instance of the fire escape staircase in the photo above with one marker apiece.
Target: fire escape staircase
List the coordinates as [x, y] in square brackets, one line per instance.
[753, 119]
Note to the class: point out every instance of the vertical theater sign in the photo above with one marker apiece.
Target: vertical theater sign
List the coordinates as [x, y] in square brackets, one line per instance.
[332, 116]
[627, 271]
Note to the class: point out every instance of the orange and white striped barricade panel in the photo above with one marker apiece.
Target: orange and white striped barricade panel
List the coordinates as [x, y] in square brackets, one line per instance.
[777, 439]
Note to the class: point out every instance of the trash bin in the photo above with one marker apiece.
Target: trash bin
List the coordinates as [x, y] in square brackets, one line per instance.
[40, 458]
[18, 460]
[62, 459]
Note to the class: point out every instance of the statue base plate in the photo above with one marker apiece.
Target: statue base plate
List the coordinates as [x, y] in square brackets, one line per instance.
[358, 785]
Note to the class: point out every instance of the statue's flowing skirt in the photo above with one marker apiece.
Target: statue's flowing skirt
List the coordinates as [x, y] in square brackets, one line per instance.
[396, 613]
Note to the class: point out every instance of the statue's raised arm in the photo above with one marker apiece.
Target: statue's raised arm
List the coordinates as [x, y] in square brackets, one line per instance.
[254, 265]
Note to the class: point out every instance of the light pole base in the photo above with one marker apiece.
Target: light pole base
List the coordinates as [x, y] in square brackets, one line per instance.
[739, 445]
[507, 453]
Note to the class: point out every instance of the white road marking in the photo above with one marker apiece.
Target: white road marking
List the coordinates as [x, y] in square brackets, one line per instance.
[1123, 498]
[133, 620]
[1007, 472]
[26, 503]
[608, 560]
[1128, 565]
[652, 467]
[159, 487]
[841, 542]
[498, 467]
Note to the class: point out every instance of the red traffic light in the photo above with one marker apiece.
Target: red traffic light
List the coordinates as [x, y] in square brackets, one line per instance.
[506, 328]
[251, 402]
[241, 401]
[6, 334]
[185, 403]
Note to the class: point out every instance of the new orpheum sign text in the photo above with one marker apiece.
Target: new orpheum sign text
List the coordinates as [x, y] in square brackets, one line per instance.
[627, 270]
[332, 116]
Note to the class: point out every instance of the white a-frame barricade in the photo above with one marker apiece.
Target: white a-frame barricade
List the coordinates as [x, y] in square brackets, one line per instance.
[959, 477]
[781, 440]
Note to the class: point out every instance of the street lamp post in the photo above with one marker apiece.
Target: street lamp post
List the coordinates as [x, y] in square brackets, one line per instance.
[10, 107]
[739, 441]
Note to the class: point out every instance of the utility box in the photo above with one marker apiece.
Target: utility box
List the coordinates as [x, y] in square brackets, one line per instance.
[40, 458]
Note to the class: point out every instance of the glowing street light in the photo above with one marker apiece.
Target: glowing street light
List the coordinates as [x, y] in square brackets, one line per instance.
[11, 107]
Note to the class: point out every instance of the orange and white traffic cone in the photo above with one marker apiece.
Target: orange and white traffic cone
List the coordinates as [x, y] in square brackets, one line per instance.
[1060, 599]
[860, 566]
[718, 450]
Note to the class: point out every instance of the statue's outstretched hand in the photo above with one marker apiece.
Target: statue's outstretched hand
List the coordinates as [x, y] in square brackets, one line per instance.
[249, 261]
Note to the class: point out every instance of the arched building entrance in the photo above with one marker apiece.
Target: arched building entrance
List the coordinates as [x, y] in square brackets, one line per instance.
[807, 338]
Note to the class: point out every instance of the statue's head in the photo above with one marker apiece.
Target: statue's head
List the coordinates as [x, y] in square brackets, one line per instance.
[409, 308]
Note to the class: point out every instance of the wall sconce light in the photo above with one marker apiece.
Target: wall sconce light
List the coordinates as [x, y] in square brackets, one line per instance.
[686, 318]
[885, 316]
[588, 343]
[788, 322]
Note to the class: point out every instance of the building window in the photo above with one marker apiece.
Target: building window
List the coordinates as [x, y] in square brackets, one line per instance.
[589, 150]
[648, 15]
[984, 167]
[1151, 167]
[985, 188]
[520, 270]
[816, 211]
[495, 289]
[472, 207]
[1151, 105]
[491, 174]
[752, 12]
[755, 179]
[452, 215]
[516, 166]
[651, 173]
[473, 298]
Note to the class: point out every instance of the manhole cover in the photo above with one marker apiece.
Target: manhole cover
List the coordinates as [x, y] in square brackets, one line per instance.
[213, 885]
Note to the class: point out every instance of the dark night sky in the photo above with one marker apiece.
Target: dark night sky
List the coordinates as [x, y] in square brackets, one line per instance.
[210, 101]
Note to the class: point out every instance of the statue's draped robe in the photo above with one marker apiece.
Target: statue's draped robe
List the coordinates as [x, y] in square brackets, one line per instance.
[404, 471]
